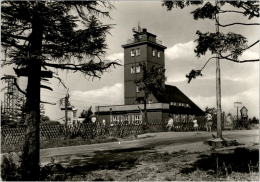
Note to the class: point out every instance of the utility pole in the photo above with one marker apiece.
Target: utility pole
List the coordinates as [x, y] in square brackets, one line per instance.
[218, 84]
[66, 99]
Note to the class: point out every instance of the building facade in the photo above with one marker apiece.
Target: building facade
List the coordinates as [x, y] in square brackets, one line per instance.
[145, 48]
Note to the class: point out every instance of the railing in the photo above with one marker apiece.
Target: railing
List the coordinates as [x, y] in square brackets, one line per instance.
[131, 41]
[15, 136]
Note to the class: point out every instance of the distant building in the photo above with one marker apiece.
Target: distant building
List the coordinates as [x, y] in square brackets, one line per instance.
[145, 48]
[71, 116]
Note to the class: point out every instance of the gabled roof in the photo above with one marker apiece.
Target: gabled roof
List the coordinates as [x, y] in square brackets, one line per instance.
[173, 94]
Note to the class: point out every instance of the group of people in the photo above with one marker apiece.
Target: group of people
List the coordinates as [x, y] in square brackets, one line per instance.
[208, 125]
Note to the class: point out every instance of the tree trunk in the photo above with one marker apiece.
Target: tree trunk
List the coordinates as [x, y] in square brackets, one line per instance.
[31, 149]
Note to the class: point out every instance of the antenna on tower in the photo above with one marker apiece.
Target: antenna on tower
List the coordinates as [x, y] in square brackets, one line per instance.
[137, 29]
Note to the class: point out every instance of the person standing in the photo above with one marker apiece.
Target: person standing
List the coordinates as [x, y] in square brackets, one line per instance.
[93, 126]
[195, 125]
[170, 123]
[209, 122]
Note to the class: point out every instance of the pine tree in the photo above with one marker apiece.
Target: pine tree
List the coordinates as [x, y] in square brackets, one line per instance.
[41, 36]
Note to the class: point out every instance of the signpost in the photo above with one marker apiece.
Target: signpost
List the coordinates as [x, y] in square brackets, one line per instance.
[237, 105]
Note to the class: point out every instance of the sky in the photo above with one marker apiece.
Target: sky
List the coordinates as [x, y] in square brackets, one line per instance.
[177, 30]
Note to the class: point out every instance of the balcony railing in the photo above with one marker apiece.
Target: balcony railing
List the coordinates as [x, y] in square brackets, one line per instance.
[133, 40]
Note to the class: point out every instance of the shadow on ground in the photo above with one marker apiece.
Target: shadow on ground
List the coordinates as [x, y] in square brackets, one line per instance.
[121, 159]
[240, 160]
[81, 164]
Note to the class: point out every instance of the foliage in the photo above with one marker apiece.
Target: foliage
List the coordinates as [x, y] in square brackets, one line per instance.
[9, 170]
[231, 43]
[193, 74]
[66, 36]
[152, 80]
[211, 110]
[53, 172]
[179, 4]
[86, 114]
[227, 46]
[254, 120]
[39, 37]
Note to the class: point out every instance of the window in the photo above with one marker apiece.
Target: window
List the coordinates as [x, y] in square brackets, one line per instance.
[154, 52]
[115, 118]
[137, 52]
[173, 103]
[132, 53]
[138, 69]
[137, 89]
[132, 70]
[158, 54]
[138, 117]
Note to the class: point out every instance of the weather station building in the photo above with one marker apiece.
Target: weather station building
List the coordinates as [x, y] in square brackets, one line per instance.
[145, 48]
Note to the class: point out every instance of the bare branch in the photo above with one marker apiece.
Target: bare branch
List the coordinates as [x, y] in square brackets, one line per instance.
[44, 102]
[231, 24]
[60, 81]
[15, 36]
[207, 62]
[252, 44]
[91, 68]
[17, 86]
[46, 87]
[238, 61]
[231, 11]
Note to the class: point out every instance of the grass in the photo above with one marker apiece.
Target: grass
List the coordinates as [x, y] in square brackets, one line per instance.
[146, 165]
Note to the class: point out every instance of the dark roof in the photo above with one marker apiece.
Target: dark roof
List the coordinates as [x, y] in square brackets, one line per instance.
[173, 94]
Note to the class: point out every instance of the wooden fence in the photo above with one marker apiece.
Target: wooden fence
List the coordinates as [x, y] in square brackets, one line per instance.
[13, 136]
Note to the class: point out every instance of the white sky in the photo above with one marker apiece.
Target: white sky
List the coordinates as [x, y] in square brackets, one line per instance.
[176, 29]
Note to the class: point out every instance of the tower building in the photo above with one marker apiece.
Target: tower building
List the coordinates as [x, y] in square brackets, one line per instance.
[145, 49]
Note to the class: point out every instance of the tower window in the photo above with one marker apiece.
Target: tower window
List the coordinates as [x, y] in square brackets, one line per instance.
[154, 52]
[158, 54]
[137, 89]
[138, 69]
[132, 53]
[137, 52]
[132, 70]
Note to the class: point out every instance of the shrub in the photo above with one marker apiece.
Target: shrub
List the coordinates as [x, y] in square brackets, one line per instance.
[9, 170]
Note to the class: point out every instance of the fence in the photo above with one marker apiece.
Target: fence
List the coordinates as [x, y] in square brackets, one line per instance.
[13, 136]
